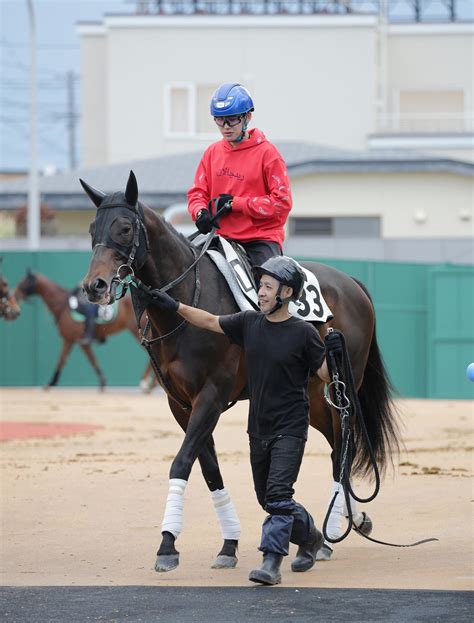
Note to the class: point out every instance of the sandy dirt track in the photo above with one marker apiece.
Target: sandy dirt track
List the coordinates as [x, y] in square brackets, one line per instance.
[87, 509]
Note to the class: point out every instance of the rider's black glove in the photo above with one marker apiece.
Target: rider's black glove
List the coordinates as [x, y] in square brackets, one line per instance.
[224, 203]
[203, 221]
[164, 301]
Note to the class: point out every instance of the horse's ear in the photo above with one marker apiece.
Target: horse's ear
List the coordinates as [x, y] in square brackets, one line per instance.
[131, 192]
[95, 195]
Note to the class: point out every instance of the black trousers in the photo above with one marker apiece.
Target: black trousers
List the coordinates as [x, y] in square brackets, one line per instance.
[259, 251]
[275, 467]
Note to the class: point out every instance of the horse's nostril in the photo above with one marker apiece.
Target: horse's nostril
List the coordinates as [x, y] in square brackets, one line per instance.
[99, 286]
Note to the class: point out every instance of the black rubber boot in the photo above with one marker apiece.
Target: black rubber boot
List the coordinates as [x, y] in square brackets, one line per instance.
[269, 572]
[306, 554]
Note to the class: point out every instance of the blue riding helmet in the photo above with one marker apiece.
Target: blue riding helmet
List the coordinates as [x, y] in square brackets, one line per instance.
[231, 98]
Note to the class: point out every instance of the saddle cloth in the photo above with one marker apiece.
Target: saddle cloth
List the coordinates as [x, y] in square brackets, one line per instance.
[311, 306]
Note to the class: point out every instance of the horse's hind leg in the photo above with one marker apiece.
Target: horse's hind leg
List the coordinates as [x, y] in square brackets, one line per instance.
[60, 365]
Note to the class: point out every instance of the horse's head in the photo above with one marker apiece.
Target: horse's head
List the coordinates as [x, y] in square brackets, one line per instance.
[26, 287]
[9, 308]
[119, 240]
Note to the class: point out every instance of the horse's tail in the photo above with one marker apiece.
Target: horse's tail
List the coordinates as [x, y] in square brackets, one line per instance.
[379, 413]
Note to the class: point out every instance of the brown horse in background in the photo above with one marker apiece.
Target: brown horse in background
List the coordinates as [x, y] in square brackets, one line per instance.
[56, 298]
[9, 308]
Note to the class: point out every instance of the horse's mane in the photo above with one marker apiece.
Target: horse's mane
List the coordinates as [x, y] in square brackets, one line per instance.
[172, 230]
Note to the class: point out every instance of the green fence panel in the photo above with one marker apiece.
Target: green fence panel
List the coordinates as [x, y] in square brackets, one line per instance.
[451, 331]
[424, 327]
[399, 292]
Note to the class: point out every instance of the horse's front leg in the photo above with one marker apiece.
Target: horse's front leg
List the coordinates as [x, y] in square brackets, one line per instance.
[203, 419]
[66, 349]
[226, 514]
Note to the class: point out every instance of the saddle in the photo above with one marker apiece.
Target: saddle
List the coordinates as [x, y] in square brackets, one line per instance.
[232, 261]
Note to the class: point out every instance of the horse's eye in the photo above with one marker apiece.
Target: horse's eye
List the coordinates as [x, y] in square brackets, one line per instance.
[92, 228]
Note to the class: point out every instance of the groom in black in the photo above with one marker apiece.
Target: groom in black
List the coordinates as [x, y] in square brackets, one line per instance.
[281, 353]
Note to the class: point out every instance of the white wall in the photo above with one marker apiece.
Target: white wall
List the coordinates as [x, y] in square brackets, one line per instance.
[312, 78]
[94, 106]
[400, 199]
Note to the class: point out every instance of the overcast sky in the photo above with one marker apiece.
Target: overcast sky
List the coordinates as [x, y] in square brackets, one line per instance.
[58, 53]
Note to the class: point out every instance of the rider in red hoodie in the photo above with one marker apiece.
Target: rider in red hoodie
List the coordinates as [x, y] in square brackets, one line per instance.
[244, 174]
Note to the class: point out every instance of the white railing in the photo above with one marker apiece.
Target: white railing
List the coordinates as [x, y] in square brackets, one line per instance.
[425, 123]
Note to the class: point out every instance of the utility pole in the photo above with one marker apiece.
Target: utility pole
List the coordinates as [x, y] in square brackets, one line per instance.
[33, 220]
[71, 119]
[383, 122]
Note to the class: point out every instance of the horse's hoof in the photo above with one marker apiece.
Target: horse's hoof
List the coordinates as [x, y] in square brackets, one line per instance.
[225, 562]
[364, 524]
[324, 552]
[166, 562]
[146, 385]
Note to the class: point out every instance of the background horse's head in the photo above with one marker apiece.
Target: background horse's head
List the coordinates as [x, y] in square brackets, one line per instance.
[26, 287]
[119, 241]
[9, 308]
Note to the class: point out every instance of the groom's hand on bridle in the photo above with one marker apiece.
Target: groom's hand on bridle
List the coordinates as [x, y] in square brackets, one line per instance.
[164, 301]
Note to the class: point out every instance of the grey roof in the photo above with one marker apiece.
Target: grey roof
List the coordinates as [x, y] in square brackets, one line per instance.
[166, 179]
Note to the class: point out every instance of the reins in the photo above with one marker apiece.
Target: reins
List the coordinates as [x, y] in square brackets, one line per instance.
[345, 400]
[129, 279]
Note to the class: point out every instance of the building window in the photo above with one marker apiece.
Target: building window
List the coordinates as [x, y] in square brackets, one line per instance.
[187, 109]
[337, 227]
[311, 226]
[179, 109]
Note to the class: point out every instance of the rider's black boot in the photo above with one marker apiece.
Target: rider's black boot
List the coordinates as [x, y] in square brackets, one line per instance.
[89, 332]
[306, 554]
[269, 572]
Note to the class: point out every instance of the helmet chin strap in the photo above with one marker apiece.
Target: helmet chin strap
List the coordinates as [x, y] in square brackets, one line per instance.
[278, 302]
[244, 130]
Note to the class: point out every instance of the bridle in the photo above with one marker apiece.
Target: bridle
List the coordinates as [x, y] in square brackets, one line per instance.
[125, 277]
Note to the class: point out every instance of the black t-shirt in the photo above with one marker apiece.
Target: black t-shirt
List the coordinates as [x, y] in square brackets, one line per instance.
[280, 357]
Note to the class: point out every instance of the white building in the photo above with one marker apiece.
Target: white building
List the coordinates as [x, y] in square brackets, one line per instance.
[348, 81]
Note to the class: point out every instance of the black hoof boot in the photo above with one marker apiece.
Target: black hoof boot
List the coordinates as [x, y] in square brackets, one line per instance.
[306, 554]
[269, 572]
[363, 524]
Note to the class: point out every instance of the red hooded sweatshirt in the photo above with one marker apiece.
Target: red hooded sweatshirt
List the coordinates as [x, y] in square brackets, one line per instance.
[255, 174]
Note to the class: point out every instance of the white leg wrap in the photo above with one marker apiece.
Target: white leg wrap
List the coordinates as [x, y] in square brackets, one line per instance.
[173, 517]
[226, 514]
[334, 525]
[357, 516]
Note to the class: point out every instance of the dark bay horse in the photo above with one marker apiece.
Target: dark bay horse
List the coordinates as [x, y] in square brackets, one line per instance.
[9, 308]
[202, 372]
[56, 299]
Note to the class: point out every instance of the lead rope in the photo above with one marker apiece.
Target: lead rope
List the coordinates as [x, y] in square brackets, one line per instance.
[340, 372]
[148, 343]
